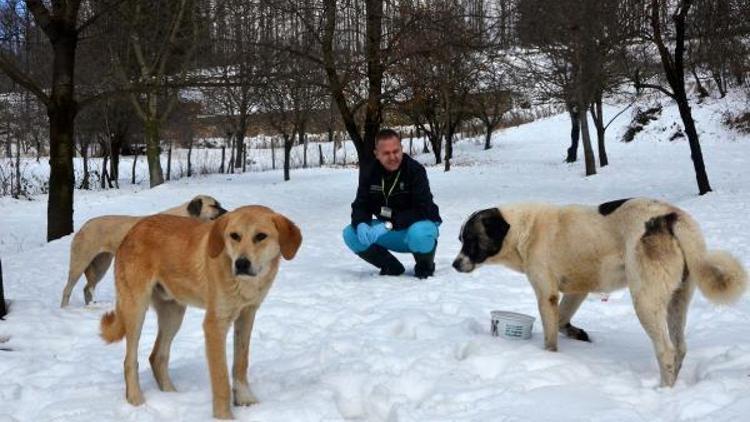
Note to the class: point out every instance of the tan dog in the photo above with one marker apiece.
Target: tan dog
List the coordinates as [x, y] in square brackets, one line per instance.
[226, 266]
[95, 243]
[654, 248]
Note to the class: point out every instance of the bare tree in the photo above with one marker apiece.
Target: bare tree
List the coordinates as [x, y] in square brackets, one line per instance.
[60, 23]
[162, 37]
[673, 62]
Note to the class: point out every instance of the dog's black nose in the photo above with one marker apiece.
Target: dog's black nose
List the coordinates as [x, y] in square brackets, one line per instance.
[243, 266]
[457, 265]
[221, 211]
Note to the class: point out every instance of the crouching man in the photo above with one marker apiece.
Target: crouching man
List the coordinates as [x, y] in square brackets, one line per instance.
[395, 190]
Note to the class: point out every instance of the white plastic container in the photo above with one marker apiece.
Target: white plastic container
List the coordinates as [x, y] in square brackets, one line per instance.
[511, 325]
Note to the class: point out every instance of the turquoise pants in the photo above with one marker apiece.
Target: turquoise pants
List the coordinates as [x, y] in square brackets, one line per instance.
[420, 237]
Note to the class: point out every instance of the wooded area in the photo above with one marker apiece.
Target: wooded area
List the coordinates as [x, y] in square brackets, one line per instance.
[98, 78]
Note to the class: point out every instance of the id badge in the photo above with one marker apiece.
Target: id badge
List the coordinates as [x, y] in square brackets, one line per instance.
[385, 212]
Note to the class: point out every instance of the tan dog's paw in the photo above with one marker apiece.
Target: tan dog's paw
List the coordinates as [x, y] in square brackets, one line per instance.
[136, 399]
[225, 415]
[243, 396]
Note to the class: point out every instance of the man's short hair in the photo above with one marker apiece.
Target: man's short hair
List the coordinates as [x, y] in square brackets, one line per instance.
[386, 134]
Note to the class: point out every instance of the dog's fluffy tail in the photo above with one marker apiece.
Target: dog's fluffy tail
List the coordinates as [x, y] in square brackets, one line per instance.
[112, 327]
[720, 276]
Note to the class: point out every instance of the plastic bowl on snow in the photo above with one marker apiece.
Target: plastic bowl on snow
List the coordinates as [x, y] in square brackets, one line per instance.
[511, 325]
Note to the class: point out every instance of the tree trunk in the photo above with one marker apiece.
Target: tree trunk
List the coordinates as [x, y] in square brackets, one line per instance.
[588, 151]
[189, 159]
[223, 158]
[273, 153]
[114, 159]
[169, 162]
[720, 83]
[375, 70]
[448, 149]
[575, 134]
[320, 153]
[437, 146]
[3, 309]
[85, 158]
[155, 175]
[488, 137]
[695, 147]
[702, 93]
[365, 145]
[135, 162]
[302, 140]
[8, 143]
[62, 112]
[62, 176]
[288, 140]
[104, 179]
[18, 171]
[232, 146]
[240, 143]
[244, 156]
[674, 71]
[597, 116]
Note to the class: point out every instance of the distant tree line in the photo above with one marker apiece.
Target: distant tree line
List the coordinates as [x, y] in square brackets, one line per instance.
[83, 77]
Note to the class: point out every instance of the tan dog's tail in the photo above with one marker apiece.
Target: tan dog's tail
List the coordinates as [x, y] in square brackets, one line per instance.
[719, 275]
[112, 327]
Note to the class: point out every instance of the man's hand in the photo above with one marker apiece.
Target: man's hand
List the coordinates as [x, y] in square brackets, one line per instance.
[363, 234]
[367, 234]
[377, 230]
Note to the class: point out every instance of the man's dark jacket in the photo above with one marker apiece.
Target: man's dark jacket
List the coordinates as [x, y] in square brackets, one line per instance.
[410, 200]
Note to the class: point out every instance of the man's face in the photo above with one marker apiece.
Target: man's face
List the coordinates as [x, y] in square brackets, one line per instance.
[389, 152]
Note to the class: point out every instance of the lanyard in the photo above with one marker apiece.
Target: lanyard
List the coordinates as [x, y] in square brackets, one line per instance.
[382, 185]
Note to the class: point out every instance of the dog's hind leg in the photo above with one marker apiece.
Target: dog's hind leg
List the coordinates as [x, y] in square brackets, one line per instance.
[94, 273]
[243, 327]
[677, 316]
[170, 315]
[76, 269]
[133, 304]
[655, 270]
[568, 307]
[653, 317]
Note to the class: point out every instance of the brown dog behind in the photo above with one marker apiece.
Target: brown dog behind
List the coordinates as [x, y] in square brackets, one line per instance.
[95, 243]
[225, 266]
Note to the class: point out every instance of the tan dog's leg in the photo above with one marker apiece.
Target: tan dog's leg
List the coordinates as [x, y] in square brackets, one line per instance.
[568, 307]
[653, 317]
[547, 300]
[94, 273]
[215, 329]
[655, 268]
[170, 315]
[676, 317]
[80, 261]
[133, 306]
[243, 328]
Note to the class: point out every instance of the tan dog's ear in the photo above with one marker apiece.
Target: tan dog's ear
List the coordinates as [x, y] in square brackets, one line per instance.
[216, 237]
[290, 237]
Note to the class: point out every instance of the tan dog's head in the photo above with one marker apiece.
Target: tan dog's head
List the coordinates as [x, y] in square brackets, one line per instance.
[253, 237]
[205, 208]
[482, 237]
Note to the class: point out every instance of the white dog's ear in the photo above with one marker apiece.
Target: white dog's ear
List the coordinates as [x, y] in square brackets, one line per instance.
[290, 237]
[216, 236]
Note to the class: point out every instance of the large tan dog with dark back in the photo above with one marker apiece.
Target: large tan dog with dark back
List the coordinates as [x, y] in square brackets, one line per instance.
[225, 266]
[654, 248]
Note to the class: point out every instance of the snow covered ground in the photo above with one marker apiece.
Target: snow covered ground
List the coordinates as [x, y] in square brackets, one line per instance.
[333, 341]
